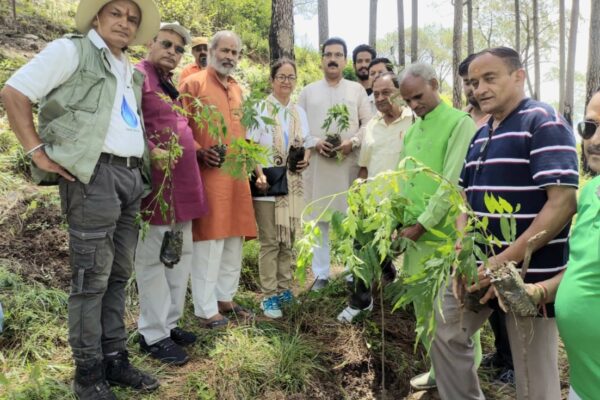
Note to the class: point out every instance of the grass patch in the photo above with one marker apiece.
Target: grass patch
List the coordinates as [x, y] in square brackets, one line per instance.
[252, 361]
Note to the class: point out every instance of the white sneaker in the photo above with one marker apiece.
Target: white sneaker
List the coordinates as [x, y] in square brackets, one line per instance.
[423, 381]
[348, 314]
[270, 307]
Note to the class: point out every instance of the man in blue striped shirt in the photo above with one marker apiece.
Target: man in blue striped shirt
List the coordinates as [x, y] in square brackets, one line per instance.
[526, 155]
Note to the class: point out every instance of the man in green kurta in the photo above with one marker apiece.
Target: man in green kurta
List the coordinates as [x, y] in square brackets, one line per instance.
[438, 139]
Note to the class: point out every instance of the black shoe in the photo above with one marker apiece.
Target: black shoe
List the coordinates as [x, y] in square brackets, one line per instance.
[491, 361]
[119, 371]
[165, 350]
[506, 376]
[89, 383]
[181, 337]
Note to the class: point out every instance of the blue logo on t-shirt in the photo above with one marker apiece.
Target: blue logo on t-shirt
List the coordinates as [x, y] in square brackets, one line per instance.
[128, 115]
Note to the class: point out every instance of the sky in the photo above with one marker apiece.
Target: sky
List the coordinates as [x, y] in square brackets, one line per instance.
[349, 19]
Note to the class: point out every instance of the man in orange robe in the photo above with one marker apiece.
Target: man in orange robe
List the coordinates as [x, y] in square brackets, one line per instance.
[200, 53]
[218, 236]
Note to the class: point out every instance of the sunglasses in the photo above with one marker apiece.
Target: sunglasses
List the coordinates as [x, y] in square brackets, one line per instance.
[587, 128]
[166, 44]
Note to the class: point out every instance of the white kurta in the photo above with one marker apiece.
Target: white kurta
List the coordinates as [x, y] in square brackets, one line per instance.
[326, 176]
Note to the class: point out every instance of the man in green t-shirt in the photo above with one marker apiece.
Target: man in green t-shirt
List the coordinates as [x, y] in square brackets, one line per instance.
[578, 297]
[438, 139]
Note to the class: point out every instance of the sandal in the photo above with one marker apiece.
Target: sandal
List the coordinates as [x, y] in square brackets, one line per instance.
[240, 312]
[216, 324]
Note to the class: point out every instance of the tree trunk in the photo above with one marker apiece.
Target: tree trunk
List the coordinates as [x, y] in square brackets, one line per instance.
[561, 55]
[526, 55]
[372, 23]
[323, 11]
[570, 74]
[401, 38]
[14, 11]
[517, 27]
[593, 69]
[536, 51]
[281, 32]
[456, 53]
[470, 45]
[414, 32]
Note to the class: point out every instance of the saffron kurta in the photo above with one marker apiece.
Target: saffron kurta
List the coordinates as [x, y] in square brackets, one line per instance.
[188, 70]
[326, 176]
[229, 201]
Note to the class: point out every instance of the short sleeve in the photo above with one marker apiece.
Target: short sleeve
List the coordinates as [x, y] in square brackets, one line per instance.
[49, 69]
[553, 156]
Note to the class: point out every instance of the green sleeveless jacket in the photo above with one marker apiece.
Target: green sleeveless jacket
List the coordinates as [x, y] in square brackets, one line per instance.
[73, 118]
[427, 141]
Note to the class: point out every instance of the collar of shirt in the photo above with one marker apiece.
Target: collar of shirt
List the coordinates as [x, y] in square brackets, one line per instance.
[405, 114]
[213, 74]
[97, 40]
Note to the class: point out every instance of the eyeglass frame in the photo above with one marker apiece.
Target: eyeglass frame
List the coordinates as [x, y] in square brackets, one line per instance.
[167, 44]
[581, 128]
[282, 78]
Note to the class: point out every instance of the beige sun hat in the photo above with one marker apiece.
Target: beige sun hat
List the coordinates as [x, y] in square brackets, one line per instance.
[198, 40]
[87, 10]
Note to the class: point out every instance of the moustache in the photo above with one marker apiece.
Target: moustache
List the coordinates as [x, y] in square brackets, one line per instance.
[333, 64]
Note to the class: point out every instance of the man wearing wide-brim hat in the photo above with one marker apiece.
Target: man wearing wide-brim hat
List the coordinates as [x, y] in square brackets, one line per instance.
[200, 53]
[90, 140]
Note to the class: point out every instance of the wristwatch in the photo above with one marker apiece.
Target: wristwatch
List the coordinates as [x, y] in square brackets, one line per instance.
[355, 143]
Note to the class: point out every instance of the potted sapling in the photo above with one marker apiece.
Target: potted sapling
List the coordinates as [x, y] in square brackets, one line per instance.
[296, 154]
[209, 118]
[339, 115]
[172, 243]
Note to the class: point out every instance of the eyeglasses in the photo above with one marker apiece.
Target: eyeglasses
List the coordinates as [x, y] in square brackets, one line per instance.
[283, 78]
[587, 128]
[333, 55]
[166, 44]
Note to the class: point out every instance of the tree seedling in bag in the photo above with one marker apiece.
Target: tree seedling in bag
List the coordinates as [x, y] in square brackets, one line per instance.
[338, 115]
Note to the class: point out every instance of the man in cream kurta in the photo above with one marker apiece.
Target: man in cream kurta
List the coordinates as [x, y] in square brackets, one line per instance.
[327, 176]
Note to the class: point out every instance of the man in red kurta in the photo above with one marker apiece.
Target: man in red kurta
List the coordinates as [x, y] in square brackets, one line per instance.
[218, 237]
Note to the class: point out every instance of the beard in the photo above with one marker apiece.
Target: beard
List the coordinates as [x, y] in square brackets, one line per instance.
[220, 68]
[362, 74]
[473, 102]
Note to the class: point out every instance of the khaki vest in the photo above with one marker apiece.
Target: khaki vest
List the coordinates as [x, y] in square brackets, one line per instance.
[73, 118]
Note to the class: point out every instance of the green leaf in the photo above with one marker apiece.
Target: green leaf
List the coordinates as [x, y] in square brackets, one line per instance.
[505, 229]
[505, 206]
[491, 204]
[513, 228]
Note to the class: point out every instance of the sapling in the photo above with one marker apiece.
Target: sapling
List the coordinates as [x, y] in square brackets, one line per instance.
[172, 244]
[339, 115]
[239, 157]
[376, 209]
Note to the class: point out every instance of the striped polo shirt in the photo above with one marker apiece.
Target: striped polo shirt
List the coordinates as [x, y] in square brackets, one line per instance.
[532, 148]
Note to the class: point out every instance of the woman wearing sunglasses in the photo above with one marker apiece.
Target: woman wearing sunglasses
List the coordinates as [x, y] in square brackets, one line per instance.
[578, 297]
[278, 204]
